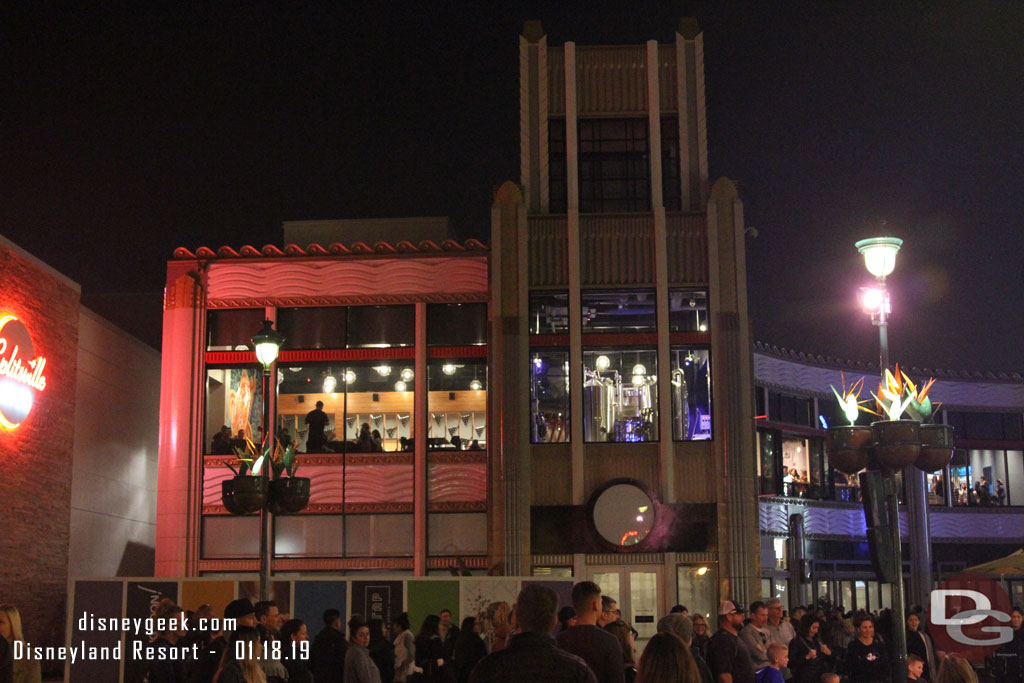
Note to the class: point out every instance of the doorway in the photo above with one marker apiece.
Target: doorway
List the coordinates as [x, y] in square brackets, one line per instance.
[638, 590]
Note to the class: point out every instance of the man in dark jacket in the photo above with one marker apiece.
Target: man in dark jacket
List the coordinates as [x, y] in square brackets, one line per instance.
[532, 655]
[598, 648]
[327, 653]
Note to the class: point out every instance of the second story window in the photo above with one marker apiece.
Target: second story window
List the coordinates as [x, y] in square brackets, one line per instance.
[614, 168]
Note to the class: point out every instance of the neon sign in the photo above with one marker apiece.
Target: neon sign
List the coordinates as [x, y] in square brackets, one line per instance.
[21, 372]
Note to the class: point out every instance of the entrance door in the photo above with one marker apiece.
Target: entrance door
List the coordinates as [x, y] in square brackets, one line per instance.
[638, 590]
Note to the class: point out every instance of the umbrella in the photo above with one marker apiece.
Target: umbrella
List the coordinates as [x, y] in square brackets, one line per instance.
[1011, 564]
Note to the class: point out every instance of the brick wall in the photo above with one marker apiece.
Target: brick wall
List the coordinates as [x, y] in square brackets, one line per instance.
[35, 459]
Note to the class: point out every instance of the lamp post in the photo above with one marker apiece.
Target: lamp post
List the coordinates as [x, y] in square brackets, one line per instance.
[267, 343]
[880, 260]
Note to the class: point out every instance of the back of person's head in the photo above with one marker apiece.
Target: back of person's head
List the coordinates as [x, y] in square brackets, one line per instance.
[319, 404]
[829, 677]
[431, 626]
[402, 621]
[678, 609]
[565, 615]
[14, 618]
[376, 630]
[624, 635]
[331, 615]
[677, 624]
[246, 657]
[956, 669]
[535, 608]
[167, 610]
[666, 659]
[583, 594]
[468, 627]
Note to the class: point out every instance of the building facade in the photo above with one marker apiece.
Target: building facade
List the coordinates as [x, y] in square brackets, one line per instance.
[574, 399]
[812, 514]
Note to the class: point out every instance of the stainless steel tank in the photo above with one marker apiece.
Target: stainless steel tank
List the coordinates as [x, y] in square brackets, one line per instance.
[599, 407]
[680, 407]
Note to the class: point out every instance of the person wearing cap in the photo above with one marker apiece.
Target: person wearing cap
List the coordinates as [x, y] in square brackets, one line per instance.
[728, 657]
[681, 626]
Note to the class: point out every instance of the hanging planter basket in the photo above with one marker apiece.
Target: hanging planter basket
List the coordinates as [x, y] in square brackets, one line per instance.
[289, 495]
[848, 448]
[936, 447]
[897, 442]
[243, 495]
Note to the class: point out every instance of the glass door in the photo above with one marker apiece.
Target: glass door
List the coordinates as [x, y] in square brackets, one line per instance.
[638, 591]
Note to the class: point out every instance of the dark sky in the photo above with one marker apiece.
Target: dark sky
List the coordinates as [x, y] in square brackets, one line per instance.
[127, 133]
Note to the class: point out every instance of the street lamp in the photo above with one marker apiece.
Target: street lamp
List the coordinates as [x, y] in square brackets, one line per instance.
[267, 343]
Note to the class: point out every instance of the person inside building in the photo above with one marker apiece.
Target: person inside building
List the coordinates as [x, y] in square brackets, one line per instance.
[728, 656]
[531, 654]
[317, 421]
[598, 648]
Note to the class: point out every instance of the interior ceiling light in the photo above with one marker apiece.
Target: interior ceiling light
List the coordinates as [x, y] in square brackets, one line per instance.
[703, 327]
[476, 385]
[350, 376]
[448, 368]
[407, 374]
[383, 370]
[702, 571]
[329, 384]
[400, 386]
[602, 363]
[639, 369]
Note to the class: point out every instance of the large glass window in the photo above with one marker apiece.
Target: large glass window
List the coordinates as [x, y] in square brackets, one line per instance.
[697, 587]
[549, 396]
[457, 404]
[619, 310]
[380, 326]
[313, 328]
[234, 402]
[614, 168]
[456, 324]
[688, 310]
[620, 395]
[768, 455]
[788, 409]
[367, 406]
[691, 394]
[990, 426]
[549, 312]
[232, 330]
[671, 188]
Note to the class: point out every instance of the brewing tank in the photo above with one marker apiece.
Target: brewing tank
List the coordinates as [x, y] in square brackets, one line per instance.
[680, 407]
[598, 408]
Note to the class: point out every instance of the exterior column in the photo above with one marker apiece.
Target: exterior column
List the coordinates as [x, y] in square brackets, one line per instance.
[572, 169]
[179, 465]
[693, 138]
[419, 468]
[732, 386]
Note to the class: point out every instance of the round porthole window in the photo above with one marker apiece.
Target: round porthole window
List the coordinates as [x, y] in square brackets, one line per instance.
[624, 514]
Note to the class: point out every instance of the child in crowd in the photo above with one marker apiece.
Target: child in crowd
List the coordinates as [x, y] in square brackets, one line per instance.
[915, 668]
[778, 657]
[829, 677]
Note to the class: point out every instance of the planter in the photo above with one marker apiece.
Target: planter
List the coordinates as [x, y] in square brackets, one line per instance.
[242, 495]
[289, 495]
[897, 442]
[848, 448]
[936, 447]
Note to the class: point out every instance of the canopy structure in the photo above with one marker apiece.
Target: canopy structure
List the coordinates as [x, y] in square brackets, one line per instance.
[1011, 564]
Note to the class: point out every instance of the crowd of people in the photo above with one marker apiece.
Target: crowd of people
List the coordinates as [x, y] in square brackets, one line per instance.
[534, 641]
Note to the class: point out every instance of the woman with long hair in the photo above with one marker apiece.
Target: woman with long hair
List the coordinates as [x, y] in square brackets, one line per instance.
[469, 649]
[920, 643]
[25, 670]
[809, 657]
[624, 634]
[667, 660]
[866, 658]
[293, 634]
[956, 669]
[701, 637]
[241, 662]
[430, 652]
[405, 648]
[359, 668]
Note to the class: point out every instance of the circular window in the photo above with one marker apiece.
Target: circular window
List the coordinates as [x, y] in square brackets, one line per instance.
[624, 514]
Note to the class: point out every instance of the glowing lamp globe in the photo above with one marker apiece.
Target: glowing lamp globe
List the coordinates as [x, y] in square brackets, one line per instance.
[330, 384]
[267, 343]
[602, 363]
[880, 254]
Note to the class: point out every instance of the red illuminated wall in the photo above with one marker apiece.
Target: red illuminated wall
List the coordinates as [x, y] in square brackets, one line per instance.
[35, 459]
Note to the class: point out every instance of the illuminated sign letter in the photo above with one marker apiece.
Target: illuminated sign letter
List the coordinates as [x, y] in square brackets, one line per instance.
[21, 372]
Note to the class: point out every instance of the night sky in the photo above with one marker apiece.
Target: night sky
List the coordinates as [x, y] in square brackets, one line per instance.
[126, 134]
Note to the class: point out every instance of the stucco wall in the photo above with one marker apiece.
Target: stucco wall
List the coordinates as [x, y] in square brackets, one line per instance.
[113, 493]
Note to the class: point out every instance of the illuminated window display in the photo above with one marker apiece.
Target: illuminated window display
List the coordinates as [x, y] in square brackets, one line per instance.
[457, 404]
[549, 396]
[688, 310]
[620, 395]
[691, 394]
[619, 310]
[549, 312]
[234, 399]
